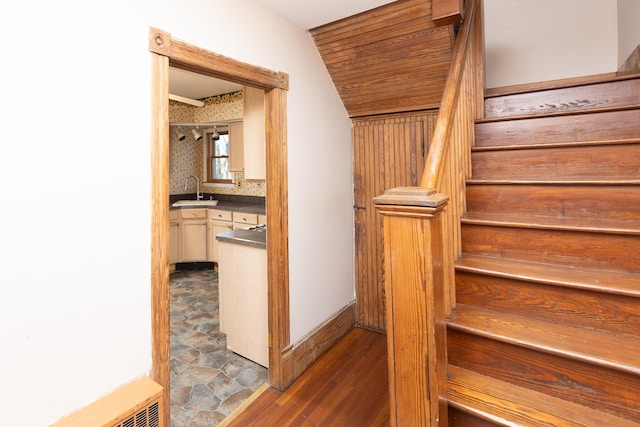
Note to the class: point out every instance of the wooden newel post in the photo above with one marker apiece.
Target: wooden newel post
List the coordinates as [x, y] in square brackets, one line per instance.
[414, 302]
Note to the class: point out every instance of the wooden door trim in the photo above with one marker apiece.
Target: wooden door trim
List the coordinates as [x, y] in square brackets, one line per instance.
[167, 52]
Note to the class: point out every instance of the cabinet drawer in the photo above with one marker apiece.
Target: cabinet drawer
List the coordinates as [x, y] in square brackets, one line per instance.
[174, 214]
[220, 215]
[218, 223]
[193, 213]
[262, 219]
[245, 218]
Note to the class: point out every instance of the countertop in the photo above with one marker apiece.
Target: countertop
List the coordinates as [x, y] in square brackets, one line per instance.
[255, 239]
[245, 204]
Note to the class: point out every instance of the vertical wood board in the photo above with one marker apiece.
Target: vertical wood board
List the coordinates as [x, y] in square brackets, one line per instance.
[388, 151]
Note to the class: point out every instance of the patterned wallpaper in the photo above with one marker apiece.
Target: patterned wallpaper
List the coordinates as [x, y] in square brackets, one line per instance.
[186, 155]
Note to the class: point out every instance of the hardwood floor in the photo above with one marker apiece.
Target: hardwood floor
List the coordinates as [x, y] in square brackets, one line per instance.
[346, 386]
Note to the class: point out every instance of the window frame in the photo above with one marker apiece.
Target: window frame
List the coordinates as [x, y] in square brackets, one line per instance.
[209, 156]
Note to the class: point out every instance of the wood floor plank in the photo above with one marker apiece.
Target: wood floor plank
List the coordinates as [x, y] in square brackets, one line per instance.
[346, 386]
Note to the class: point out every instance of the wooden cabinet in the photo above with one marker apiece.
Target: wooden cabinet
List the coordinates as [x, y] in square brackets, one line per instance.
[243, 301]
[174, 237]
[219, 222]
[192, 232]
[262, 219]
[247, 150]
[194, 235]
[254, 134]
[236, 146]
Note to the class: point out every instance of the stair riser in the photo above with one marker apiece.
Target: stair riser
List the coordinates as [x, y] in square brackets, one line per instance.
[458, 418]
[616, 125]
[604, 389]
[620, 202]
[580, 98]
[616, 314]
[604, 161]
[575, 248]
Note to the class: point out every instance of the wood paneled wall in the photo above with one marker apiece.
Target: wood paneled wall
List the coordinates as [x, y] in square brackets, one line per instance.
[388, 152]
[388, 60]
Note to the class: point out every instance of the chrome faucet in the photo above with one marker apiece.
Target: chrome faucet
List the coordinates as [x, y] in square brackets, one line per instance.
[186, 183]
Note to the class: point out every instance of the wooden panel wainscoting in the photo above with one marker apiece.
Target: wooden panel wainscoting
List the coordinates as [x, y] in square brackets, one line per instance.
[388, 151]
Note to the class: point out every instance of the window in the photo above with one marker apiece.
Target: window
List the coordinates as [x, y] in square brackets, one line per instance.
[217, 157]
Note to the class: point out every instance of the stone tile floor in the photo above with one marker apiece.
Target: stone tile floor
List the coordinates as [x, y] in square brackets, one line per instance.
[207, 381]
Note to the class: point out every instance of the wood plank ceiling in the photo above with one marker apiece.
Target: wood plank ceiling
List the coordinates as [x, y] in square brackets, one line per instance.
[388, 60]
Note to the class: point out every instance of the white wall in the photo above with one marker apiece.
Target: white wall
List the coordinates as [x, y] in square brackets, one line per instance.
[628, 28]
[531, 41]
[75, 182]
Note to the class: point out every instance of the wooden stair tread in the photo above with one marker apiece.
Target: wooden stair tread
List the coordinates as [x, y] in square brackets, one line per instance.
[552, 180]
[561, 101]
[538, 130]
[592, 347]
[507, 404]
[556, 114]
[556, 145]
[558, 84]
[587, 279]
[544, 222]
[548, 282]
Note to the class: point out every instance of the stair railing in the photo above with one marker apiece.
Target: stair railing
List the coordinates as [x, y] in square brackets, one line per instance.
[448, 162]
[422, 240]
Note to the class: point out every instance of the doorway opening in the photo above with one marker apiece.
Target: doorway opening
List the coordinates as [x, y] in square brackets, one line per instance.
[167, 53]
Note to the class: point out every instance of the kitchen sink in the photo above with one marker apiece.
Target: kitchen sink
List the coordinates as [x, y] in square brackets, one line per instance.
[196, 203]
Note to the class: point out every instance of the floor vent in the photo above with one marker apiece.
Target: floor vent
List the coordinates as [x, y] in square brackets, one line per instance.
[137, 404]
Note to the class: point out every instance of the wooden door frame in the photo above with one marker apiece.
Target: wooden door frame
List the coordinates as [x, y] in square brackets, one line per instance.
[167, 52]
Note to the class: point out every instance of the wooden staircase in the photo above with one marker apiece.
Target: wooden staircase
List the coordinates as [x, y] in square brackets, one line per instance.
[546, 330]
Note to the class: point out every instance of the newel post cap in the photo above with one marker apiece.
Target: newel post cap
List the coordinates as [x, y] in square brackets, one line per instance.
[412, 196]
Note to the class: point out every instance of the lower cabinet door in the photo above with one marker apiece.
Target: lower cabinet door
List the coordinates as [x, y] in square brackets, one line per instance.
[216, 227]
[242, 275]
[194, 240]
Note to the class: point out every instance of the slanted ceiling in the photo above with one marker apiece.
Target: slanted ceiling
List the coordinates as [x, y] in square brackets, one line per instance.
[387, 60]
